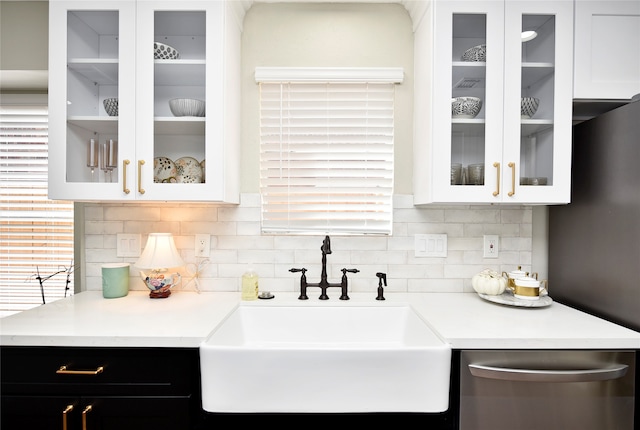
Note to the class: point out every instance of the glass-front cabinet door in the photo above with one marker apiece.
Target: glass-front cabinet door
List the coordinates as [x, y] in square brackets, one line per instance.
[91, 98]
[498, 128]
[144, 100]
[538, 101]
[176, 108]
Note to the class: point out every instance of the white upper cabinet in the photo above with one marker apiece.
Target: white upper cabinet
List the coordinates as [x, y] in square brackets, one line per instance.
[475, 49]
[146, 151]
[607, 49]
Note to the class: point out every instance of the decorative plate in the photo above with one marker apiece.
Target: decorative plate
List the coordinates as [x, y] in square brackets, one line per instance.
[164, 170]
[475, 53]
[189, 170]
[507, 298]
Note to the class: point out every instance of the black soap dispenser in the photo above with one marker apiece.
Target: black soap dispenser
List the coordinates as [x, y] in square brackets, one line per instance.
[381, 277]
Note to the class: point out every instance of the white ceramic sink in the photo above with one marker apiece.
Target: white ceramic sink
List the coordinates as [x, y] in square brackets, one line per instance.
[368, 358]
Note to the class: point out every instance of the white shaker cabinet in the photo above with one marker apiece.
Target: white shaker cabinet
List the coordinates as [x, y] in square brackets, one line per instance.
[105, 49]
[607, 49]
[502, 156]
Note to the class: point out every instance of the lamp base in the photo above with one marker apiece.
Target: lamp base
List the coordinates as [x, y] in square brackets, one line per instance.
[158, 294]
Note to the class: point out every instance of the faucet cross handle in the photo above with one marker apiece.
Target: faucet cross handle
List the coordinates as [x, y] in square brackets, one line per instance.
[303, 282]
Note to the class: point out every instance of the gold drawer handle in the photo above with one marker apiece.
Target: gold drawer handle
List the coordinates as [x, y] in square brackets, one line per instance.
[64, 371]
[140, 189]
[125, 190]
[84, 416]
[68, 409]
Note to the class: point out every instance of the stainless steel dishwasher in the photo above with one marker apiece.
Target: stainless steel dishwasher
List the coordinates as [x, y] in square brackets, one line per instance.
[547, 389]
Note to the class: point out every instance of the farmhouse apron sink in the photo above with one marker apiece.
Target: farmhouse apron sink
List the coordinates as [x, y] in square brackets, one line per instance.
[324, 358]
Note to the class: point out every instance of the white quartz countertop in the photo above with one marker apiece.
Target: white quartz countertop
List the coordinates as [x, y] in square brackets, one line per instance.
[185, 319]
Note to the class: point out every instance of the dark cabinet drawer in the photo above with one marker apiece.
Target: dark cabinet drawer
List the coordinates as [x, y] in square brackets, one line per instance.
[99, 388]
[100, 413]
[134, 371]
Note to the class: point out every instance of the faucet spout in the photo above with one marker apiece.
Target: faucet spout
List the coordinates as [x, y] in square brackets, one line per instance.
[326, 245]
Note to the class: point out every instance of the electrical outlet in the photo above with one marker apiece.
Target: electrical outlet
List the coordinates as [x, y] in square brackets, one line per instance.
[491, 248]
[203, 245]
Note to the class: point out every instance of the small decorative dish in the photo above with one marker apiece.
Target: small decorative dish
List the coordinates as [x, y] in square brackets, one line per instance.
[528, 107]
[187, 107]
[475, 53]
[465, 107]
[111, 106]
[162, 51]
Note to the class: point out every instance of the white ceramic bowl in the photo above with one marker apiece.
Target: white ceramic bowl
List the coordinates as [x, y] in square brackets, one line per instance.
[475, 53]
[111, 106]
[465, 107]
[187, 107]
[163, 51]
[528, 106]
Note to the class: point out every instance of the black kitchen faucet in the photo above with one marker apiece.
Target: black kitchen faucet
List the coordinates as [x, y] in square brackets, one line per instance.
[324, 283]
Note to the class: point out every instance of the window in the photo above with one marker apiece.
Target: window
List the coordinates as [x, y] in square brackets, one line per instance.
[326, 150]
[36, 233]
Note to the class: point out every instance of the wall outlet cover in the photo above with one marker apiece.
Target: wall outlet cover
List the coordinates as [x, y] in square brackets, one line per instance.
[491, 246]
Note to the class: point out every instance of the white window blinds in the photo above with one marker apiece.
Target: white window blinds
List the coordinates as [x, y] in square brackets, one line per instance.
[36, 233]
[326, 150]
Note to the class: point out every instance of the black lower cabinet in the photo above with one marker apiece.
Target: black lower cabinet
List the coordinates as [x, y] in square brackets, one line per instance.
[99, 388]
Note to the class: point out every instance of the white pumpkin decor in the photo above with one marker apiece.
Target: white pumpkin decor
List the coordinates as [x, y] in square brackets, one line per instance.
[489, 282]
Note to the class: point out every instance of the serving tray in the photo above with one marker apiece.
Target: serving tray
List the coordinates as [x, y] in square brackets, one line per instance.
[507, 298]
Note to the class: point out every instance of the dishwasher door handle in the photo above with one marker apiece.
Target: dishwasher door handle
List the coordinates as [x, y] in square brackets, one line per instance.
[613, 371]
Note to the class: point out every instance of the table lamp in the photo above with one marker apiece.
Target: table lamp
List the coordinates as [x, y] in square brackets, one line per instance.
[160, 254]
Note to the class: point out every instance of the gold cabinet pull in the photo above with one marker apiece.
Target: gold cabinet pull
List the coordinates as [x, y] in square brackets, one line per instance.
[497, 191]
[513, 178]
[63, 370]
[68, 409]
[125, 190]
[140, 189]
[84, 416]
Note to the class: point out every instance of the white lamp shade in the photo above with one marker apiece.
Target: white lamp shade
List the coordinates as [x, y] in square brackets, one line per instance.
[160, 252]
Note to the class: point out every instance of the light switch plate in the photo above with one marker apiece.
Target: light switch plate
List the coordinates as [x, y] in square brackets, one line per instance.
[128, 245]
[430, 245]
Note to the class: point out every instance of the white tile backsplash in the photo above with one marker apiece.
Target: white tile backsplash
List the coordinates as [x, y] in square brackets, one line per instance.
[236, 243]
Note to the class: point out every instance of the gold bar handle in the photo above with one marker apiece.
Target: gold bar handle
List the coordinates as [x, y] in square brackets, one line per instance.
[497, 191]
[84, 416]
[125, 190]
[140, 189]
[64, 371]
[68, 409]
[513, 178]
